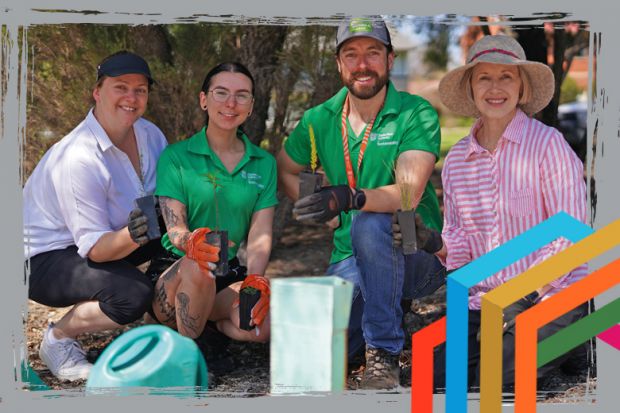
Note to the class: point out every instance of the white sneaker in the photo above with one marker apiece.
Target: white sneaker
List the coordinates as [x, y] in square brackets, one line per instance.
[64, 358]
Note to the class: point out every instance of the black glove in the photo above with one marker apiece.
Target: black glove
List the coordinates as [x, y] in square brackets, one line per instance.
[326, 204]
[138, 226]
[427, 239]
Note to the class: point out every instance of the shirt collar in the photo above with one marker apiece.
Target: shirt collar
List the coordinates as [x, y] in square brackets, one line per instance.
[513, 132]
[391, 105]
[98, 132]
[103, 140]
[198, 144]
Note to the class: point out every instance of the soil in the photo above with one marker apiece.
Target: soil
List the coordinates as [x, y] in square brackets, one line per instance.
[304, 249]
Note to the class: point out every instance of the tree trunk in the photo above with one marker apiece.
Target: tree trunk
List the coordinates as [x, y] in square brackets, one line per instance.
[151, 41]
[550, 113]
[259, 51]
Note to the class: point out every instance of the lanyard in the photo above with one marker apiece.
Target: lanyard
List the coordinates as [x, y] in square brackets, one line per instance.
[345, 144]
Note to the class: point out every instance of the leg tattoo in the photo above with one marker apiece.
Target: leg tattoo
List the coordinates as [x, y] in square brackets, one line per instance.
[190, 323]
[166, 310]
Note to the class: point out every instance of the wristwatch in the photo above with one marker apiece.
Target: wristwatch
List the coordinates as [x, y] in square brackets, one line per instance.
[359, 199]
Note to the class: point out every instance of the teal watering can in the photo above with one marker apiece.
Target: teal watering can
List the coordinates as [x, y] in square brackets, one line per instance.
[149, 356]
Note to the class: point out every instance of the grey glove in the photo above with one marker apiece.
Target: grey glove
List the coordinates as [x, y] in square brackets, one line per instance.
[138, 226]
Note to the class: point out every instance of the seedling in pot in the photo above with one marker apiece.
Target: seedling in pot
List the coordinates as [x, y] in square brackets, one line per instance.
[218, 237]
[147, 205]
[406, 215]
[310, 181]
[248, 297]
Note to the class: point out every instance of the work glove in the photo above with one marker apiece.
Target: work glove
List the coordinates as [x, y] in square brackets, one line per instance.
[326, 204]
[197, 249]
[428, 239]
[138, 226]
[261, 308]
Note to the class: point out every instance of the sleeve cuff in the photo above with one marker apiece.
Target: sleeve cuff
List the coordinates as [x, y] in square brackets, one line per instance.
[88, 241]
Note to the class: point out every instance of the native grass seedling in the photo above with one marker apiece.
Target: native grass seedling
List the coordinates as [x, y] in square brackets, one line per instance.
[218, 237]
[310, 181]
[406, 214]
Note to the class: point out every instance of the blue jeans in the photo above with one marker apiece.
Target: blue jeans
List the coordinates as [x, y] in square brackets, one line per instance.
[386, 276]
[348, 270]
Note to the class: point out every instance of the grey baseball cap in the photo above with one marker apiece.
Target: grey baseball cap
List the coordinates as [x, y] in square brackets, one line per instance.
[373, 27]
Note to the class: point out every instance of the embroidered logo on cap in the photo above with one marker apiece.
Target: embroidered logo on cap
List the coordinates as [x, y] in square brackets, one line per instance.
[360, 25]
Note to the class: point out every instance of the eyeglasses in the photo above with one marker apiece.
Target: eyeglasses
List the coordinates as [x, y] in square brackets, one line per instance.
[242, 98]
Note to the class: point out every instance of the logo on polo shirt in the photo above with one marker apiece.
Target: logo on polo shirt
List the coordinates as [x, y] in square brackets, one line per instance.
[252, 179]
[383, 138]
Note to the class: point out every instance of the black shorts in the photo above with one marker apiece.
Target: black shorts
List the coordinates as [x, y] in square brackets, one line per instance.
[61, 278]
[161, 262]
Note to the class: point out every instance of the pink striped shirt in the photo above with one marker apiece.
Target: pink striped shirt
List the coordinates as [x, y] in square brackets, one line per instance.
[489, 198]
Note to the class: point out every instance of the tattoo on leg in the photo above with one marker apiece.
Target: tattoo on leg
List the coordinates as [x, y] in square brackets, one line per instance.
[189, 322]
[167, 310]
[171, 271]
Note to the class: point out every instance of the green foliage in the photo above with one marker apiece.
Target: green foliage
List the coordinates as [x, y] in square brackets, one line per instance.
[436, 55]
[569, 90]
[64, 58]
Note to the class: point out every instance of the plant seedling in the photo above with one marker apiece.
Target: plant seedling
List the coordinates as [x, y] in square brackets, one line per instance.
[406, 214]
[218, 237]
[248, 297]
[310, 181]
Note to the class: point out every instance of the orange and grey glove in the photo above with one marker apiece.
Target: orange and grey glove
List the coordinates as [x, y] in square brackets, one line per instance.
[261, 308]
[197, 249]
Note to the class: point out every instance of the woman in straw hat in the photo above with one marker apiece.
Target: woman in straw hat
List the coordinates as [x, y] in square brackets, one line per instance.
[509, 174]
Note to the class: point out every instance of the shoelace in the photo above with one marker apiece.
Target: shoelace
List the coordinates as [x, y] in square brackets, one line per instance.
[73, 353]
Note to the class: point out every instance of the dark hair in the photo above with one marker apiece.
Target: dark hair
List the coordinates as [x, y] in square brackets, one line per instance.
[231, 67]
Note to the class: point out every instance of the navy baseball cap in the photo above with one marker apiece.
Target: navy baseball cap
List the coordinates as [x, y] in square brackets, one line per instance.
[123, 63]
[373, 27]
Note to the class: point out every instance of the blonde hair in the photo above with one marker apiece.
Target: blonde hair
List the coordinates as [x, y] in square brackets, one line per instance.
[525, 92]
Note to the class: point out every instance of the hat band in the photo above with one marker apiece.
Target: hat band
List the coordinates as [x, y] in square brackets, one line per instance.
[494, 50]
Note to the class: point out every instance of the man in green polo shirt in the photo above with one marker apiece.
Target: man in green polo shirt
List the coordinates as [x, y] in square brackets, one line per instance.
[362, 134]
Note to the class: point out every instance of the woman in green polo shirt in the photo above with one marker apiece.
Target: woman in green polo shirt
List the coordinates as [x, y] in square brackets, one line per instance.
[216, 179]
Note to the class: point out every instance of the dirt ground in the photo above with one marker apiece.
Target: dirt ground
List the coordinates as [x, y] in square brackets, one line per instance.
[303, 250]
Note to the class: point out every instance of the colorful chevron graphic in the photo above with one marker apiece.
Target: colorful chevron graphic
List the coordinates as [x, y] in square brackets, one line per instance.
[453, 328]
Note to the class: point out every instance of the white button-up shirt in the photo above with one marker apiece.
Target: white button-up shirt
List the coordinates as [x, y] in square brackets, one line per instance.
[84, 186]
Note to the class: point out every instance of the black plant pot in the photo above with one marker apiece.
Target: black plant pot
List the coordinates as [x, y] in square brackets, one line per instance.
[406, 220]
[309, 183]
[147, 206]
[248, 297]
[220, 239]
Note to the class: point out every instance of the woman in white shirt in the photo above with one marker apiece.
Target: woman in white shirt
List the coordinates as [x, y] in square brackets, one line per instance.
[83, 238]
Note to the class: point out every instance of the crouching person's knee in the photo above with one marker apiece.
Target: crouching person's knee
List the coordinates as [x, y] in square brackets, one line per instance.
[368, 229]
[128, 304]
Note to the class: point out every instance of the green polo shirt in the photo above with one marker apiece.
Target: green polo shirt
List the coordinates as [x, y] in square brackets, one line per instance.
[186, 171]
[406, 122]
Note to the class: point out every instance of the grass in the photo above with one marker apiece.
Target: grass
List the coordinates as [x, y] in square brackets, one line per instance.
[450, 136]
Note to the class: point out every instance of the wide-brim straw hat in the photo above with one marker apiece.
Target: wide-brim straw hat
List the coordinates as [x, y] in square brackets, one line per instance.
[498, 49]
